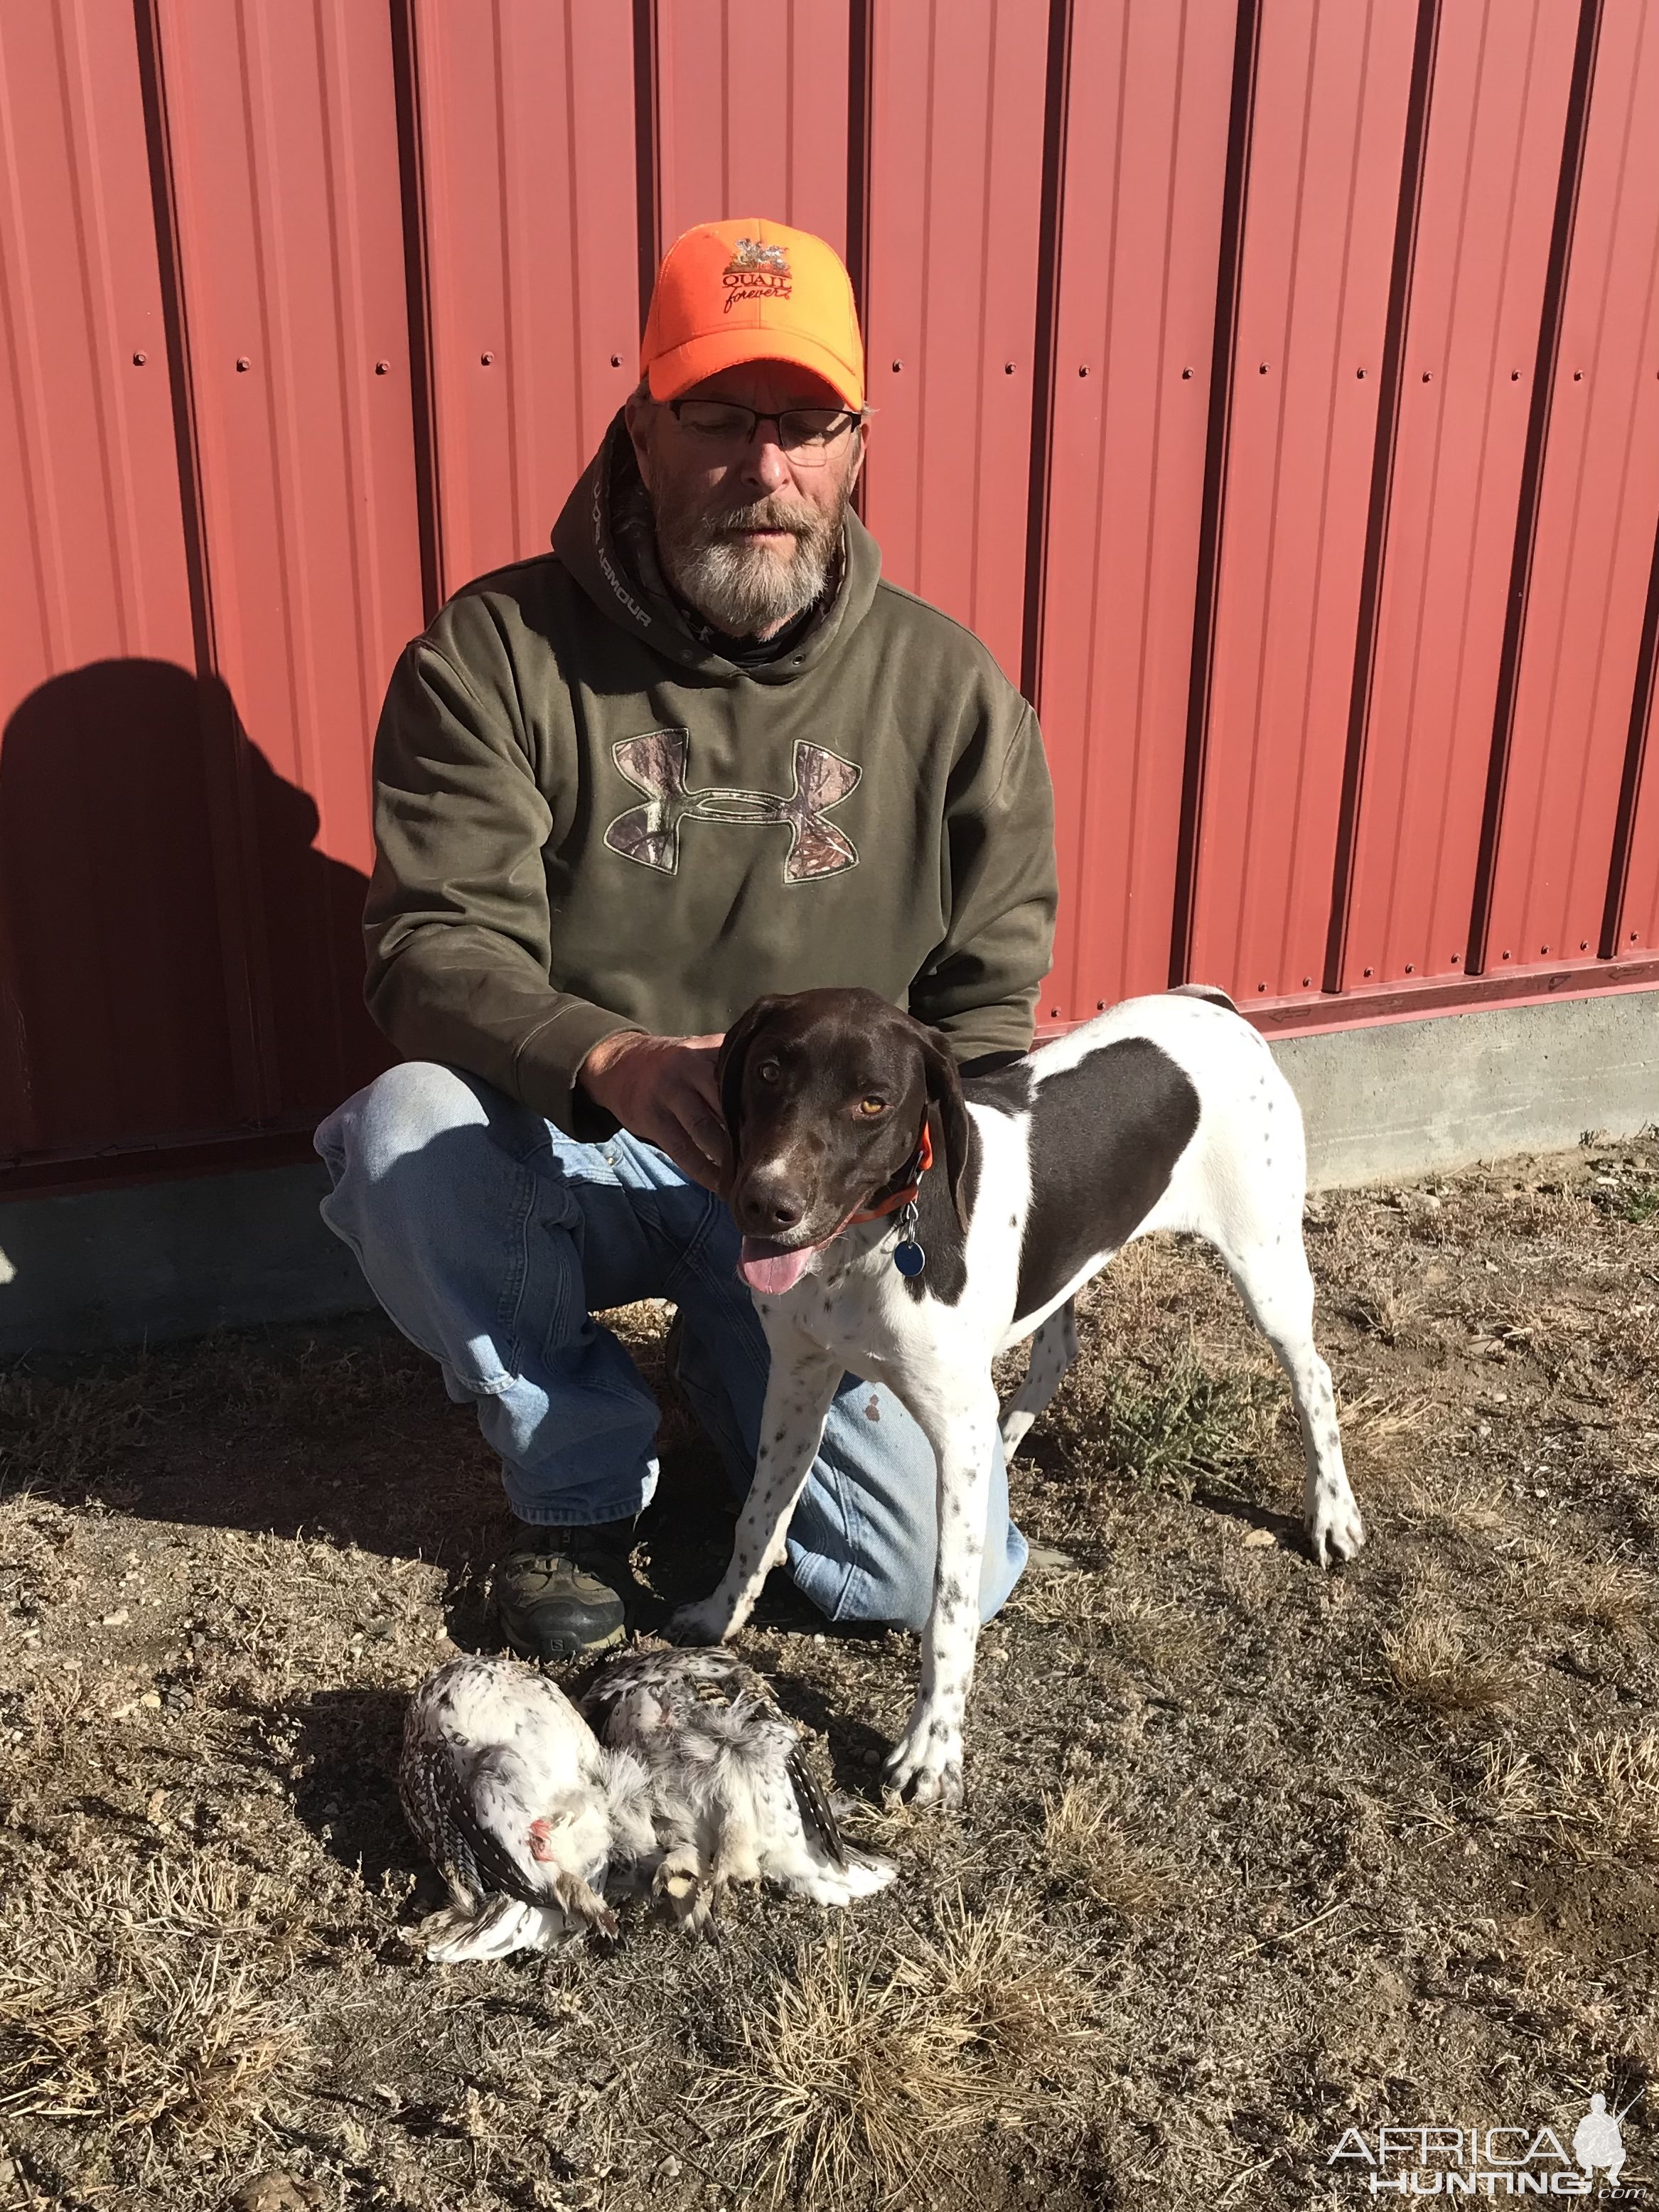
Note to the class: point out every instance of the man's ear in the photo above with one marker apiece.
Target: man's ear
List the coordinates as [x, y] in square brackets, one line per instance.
[729, 1065]
[863, 434]
[945, 1091]
[637, 411]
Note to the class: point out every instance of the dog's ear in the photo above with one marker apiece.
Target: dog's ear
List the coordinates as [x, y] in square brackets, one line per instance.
[945, 1091]
[730, 1062]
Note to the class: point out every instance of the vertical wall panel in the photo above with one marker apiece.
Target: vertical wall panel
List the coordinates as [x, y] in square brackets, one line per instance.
[1497, 120]
[752, 113]
[1144, 174]
[1327, 137]
[284, 141]
[956, 182]
[113, 1022]
[1636, 924]
[526, 121]
[1596, 515]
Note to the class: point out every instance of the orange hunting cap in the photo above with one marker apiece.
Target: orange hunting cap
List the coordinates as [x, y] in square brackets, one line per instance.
[729, 292]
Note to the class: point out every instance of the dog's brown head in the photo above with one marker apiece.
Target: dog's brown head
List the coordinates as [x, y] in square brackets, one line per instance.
[825, 1093]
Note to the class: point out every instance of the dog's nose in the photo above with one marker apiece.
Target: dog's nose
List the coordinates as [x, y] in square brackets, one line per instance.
[768, 1210]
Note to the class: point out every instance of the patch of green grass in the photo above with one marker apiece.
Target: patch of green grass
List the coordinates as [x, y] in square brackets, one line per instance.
[1171, 1427]
[1628, 1195]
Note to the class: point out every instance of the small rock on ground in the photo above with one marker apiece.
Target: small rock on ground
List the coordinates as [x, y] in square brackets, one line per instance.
[277, 2192]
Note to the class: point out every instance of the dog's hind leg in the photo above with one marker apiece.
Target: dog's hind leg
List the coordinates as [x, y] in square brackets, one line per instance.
[1274, 1281]
[1053, 1349]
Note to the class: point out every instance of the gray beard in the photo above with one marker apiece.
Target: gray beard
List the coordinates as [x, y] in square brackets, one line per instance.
[743, 589]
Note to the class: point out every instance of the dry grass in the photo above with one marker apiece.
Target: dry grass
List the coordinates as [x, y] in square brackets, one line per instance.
[1432, 1665]
[1507, 1790]
[1599, 1803]
[128, 2001]
[1086, 1842]
[856, 2064]
[1386, 1310]
[1159, 1634]
[1609, 1595]
[1609, 1795]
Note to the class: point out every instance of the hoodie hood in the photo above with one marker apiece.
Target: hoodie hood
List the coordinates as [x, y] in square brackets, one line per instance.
[604, 538]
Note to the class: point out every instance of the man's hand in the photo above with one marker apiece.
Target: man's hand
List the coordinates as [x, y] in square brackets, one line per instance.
[662, 1089]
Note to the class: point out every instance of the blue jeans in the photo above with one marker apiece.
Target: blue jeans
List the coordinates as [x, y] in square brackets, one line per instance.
[490, 1238]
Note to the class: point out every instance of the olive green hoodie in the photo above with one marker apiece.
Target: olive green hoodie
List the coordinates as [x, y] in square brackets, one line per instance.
[589, 820]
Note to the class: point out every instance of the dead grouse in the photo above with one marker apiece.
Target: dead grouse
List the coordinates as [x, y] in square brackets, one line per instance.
[732, 1797]
[521, 1808]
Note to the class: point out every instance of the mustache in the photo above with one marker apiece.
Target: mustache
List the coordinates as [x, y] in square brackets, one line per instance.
[773, 513]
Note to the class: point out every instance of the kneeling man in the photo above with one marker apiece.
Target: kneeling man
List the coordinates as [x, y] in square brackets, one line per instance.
[698, 752]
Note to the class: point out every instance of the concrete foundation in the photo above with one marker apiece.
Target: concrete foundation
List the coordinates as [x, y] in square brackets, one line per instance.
[170, 1259]
[1410, 1098]
[1383, 1104]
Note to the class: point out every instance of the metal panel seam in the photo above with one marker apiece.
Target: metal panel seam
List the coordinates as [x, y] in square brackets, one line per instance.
[1235, 207]
[406, 93]
[1050, 235]
[1641, 718]
[1377, 527]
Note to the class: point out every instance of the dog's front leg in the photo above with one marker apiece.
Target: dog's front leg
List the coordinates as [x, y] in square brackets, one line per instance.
[799, 1388]
[927, 1764]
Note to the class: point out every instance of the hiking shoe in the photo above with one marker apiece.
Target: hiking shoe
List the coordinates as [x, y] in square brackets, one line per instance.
[561, 1593]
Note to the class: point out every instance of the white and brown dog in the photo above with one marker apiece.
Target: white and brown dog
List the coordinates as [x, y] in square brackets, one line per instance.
[1165, 1113]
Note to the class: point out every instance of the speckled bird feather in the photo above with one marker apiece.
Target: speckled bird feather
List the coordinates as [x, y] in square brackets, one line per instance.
[734, 1796]
[519, 1807]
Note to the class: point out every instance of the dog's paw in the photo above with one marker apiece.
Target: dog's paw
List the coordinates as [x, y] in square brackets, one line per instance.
[708, 1623]
[926, 1765]
[1334, 1527]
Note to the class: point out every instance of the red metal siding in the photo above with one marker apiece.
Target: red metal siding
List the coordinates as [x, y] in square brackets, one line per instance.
[1145, 178]
[283, 142]
[1328, 126]
[752, 113]
[956, 175]
[1634, 922]
[1348, 680]
[532, 275]
[115, 1027]
[1493, 154]
[1597, 519]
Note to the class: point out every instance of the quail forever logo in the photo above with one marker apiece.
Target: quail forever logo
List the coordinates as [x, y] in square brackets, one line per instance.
[1443, 2161]
[756, 272]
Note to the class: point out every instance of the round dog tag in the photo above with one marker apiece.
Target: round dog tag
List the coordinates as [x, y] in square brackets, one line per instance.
[910, 1259]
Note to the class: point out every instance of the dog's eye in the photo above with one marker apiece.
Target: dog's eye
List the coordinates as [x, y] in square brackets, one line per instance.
[870, 1107]
[768, 1070]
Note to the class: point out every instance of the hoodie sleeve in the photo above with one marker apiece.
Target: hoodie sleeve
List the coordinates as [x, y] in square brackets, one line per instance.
[980, 985]
[457, 927]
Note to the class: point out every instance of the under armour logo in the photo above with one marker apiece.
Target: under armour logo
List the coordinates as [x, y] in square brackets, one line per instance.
[656, 765]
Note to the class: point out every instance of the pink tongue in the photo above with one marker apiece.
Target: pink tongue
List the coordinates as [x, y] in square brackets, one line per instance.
[772, 1272]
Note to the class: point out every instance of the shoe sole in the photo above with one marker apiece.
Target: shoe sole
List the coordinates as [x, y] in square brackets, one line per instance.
[568, 1649]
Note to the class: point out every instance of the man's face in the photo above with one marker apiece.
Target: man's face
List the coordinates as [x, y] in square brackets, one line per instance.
[747, 534]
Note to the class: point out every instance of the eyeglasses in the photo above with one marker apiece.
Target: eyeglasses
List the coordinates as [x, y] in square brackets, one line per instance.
[805, 434]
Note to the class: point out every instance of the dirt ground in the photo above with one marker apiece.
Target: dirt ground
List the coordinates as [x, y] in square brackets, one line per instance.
[1252, 1854]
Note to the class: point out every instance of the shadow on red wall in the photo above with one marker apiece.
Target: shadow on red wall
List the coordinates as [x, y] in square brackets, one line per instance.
[177, 960]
